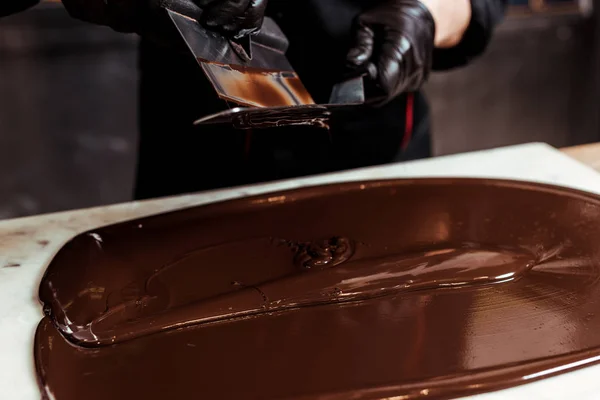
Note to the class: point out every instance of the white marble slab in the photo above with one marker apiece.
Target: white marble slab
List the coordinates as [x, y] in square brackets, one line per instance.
[28, 244]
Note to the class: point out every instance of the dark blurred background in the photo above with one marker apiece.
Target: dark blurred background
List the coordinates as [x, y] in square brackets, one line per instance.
[68, 90]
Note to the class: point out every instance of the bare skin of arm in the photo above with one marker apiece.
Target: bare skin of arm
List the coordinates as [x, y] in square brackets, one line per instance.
[451, 18]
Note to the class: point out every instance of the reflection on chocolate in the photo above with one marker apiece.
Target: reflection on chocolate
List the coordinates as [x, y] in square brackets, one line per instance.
[433, 288]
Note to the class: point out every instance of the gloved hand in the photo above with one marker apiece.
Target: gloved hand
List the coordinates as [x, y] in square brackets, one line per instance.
[397, 37]
[236, 18]
[230, 17]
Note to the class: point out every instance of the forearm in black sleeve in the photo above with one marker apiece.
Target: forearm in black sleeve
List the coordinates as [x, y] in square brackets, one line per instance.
[485, 15]
[8, 7]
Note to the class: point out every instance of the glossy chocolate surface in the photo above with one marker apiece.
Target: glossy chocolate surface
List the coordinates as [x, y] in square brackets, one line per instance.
[421, 288]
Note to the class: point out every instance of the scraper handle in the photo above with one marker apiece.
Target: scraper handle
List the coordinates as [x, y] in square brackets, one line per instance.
[357, 86]
[374, 94]
[366, 71]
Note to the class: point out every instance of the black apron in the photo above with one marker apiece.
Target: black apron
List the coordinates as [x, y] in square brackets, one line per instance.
[175, 157]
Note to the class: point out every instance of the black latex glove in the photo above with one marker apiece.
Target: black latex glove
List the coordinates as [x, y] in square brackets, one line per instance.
[396, 37]
[231, 17]
[235, 18]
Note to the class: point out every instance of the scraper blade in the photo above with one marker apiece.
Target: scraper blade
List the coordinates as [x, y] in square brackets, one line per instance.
[345, 97]
[253, 74]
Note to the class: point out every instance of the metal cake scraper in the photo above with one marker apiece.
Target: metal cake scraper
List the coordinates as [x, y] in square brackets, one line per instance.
[250, 72]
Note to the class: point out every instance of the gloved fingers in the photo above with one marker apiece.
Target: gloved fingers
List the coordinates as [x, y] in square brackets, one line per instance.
[235, 18]
[253, 19]
[392, 66]
[397, 37]
[225, 16]
[364, 43]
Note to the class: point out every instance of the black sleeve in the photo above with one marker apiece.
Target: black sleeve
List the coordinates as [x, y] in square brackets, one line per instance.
[485, 15]
[8, 7]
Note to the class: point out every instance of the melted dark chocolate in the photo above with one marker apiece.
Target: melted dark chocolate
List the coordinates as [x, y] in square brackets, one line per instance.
[432, 288]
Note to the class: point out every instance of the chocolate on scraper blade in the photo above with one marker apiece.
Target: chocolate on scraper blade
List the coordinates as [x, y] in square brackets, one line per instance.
[250, 117]
[426, 288]
[346, 97]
